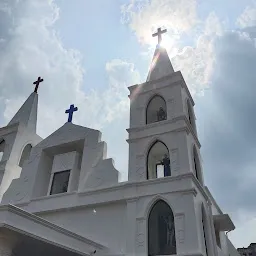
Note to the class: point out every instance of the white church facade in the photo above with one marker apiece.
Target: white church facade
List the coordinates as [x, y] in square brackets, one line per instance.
[61, 195]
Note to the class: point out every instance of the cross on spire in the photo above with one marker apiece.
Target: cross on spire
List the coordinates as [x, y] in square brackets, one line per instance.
[39, 80]
[70, 112]
[159, 34]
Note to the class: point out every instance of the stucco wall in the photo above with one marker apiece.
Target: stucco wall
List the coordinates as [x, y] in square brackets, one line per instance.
[103, 223]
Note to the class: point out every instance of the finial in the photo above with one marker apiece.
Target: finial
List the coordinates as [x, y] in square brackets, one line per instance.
[39, 80]
[159, 34]
[70, 112]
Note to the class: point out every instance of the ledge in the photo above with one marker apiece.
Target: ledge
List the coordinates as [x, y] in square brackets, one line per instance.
[20, 221]
[223, 222]
[188, 128]
[174, 75]
[121, 193]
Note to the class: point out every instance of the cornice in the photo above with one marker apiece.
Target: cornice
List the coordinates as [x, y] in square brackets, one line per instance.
[212, 199]
[181, 117]
[192, 131]
[200, 187]
[155, 124]
[123, 192]
[174, 75]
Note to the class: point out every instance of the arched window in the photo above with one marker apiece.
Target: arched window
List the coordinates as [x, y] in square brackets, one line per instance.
[25, 154]
[158, 161]
[191, 116]
[206, 230]
[197, 165]
[2, 146]
[161, 230]
[156, 110]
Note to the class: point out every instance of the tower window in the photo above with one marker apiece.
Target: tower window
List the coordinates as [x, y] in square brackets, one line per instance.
[25, 154]
[60, 182]
[191, 117]
[197, 166]
[161, 230]
[205, 230]
[156, 110]
[158, 161]
[217, 235]
[2, 146]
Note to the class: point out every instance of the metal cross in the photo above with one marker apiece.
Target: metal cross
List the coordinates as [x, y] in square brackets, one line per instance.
[39, 80]
[159, 34]
[70, 112]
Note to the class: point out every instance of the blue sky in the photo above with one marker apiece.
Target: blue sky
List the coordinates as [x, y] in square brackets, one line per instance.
[89, 52]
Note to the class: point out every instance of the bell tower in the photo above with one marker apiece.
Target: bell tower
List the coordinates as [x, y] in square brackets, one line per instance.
[162, 135]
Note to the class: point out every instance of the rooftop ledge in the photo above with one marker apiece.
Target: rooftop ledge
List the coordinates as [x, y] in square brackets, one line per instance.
[23, 222]
[223, 222]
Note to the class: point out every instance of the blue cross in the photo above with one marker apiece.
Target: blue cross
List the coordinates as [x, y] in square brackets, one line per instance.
[70, 112]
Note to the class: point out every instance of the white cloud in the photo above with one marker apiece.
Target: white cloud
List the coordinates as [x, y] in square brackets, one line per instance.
[248, 17]
[244, 233]
[32, 48]
[196, 59]
[144, 17]
[196, 63]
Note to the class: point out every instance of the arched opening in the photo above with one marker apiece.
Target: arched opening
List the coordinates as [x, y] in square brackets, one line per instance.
[161, 230]
[156, 110]
[205, 230]
[2, 147]
[191, 116]
[197, 165]
[158, 161]
[25, 154]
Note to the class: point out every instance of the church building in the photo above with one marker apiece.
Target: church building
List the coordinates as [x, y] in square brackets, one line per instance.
[61, 195]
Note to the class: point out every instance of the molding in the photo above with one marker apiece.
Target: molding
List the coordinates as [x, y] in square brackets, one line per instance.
[82, 199]
[16, 210]
[173, 75]
[192, 131]
[152, 125]
[177, 74]
[200, 187]
[212, 199]
[182, 117]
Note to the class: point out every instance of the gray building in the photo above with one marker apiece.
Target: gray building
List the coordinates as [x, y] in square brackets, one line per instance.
[249, 251]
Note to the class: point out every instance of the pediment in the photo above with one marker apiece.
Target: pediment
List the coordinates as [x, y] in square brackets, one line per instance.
[69, 134]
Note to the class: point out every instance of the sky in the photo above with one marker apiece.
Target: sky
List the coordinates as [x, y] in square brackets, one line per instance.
[89, 52]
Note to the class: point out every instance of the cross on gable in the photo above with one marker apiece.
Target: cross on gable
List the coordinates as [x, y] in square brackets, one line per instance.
[70, 112]
[39, 80]
[159, 34]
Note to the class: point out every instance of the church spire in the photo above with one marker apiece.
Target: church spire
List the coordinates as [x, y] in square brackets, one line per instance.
[161, 65]
[27, 114]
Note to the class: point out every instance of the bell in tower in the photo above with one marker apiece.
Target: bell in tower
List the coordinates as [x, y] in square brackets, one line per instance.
[158, 161]
[162, 135]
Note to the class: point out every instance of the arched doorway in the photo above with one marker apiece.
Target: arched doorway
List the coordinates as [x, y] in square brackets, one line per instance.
[25, 154]
[158, 161]
[156, 110]
[161, 230]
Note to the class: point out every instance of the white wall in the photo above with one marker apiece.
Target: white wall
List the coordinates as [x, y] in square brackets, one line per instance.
[103, 223]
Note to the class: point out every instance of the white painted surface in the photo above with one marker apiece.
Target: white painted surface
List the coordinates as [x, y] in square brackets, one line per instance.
[96, 205]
